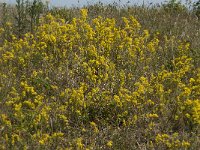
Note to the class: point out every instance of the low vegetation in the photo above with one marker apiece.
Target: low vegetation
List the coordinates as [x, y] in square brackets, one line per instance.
[100, 77]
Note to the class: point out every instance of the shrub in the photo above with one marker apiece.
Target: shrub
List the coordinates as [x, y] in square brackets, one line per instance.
[174, 6]
[92, 84]
[197, 9]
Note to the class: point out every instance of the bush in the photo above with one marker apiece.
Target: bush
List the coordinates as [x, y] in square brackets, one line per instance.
[92, 84]
[174, 6]
[197, 9]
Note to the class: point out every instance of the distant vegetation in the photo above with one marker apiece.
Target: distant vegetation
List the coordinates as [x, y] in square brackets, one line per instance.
[100, 77]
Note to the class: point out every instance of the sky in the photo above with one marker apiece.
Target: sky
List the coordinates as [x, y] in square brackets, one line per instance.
[70, 3]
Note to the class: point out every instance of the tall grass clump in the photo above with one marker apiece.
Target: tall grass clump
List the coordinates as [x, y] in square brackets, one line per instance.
[92, 83]
[22, 17]
[27, 15]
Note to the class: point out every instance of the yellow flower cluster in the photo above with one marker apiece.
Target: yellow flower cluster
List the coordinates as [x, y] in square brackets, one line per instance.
[164, 141]
[90, 74]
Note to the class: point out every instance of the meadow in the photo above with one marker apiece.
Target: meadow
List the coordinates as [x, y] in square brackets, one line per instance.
[99, 77]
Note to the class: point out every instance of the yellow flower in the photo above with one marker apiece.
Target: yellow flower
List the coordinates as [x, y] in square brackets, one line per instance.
[185, 144]
[109, 143]
[29, 104]
[79, 143]
[8, 56]
[94, 126]
[18, 107]
[5, 120]
[152, 116]
[84, 13]
[44, 139]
